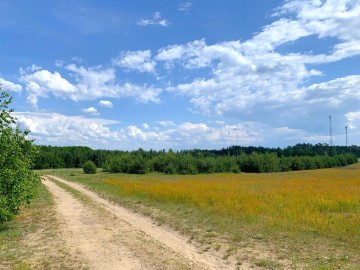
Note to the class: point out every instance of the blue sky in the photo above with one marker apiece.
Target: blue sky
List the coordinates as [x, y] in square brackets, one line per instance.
[182, 74]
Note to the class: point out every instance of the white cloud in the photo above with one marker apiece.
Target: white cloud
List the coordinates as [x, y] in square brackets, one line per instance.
[189, 135]
[238, 81]
[53, 128]
[336, 19]
[188, 54]
[95, 82]
[279, 32]
[335, 92]
[136, 60]
[353, 119]
[91, 110]
[243, 76]
[185, 6]
[327, 18]
[105, 103]
[7, 85]
[145, 126]
[78, 59]
[137, 134]
[89, 84]
[166, 123]
[252, 76]
[156, 20]
[42, 81]
[251, 79]
[59, 63]
[57, 129]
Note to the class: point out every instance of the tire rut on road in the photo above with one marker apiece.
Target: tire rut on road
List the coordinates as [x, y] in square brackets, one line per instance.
[112, 237]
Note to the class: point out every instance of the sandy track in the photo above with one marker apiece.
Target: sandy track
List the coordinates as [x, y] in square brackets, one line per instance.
[112, 237]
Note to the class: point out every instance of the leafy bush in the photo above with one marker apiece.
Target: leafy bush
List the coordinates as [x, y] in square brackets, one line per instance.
[17, 181]
[89, 167]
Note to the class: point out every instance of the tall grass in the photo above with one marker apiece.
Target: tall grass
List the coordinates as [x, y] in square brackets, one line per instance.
[309, 217]
[322, 202]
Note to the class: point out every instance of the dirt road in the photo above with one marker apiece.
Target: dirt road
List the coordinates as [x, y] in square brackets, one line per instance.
[109, 236]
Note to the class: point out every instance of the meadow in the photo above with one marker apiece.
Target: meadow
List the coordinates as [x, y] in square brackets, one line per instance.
[311, 218]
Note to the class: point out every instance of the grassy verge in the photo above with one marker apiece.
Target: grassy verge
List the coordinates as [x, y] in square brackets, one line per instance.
[308, 218]
[31, 240]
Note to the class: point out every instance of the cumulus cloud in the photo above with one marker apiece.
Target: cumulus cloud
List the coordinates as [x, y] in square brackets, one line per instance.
[326, 18]
[138, 135]
[156, 20]
[242, 76]
[251, 79]
[253, 76]
[335, 92]
[57, 129]
[54, 128]
[238, 81]
[7, 85]
[91, 110]
[189, 135]
[89, 83]
[137, 60]
[353, 119]
[42, 81]
[105, 103]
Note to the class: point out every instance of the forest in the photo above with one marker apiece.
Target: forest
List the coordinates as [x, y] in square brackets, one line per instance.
[232, 159]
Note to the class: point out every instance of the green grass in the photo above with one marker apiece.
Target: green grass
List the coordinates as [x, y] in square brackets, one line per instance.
[13, 232]
[310, 218]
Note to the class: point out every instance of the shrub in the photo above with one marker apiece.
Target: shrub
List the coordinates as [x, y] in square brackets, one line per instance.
[137, 165]
[17, 181]
[186, 164]
[89, 167]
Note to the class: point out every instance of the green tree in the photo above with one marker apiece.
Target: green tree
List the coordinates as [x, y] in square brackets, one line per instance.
[17, 181]
[89, 167]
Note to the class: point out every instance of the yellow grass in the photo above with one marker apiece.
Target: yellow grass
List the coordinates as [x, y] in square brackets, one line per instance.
[321, 202]
[310, 218]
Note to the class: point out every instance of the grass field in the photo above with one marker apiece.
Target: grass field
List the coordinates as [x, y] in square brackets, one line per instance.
[311, 218]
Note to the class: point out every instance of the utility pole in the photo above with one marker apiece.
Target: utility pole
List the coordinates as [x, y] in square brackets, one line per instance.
[331, 137]
[346, 136]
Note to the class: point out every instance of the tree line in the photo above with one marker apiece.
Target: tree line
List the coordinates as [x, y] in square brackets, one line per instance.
[231, 159]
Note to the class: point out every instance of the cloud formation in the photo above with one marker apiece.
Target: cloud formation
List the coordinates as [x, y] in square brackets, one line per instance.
[137, 60]
[7, 85]
[106, 104]
[57, 129]
[268, 78]
[185, 6]
[91, 110]
[249, 75]
[156, 20]
[89, 83]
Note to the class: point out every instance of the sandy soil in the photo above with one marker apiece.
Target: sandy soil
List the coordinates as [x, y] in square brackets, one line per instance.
[111, 237]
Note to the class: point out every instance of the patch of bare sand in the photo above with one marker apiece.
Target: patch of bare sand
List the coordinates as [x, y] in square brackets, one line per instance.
[118, 237]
